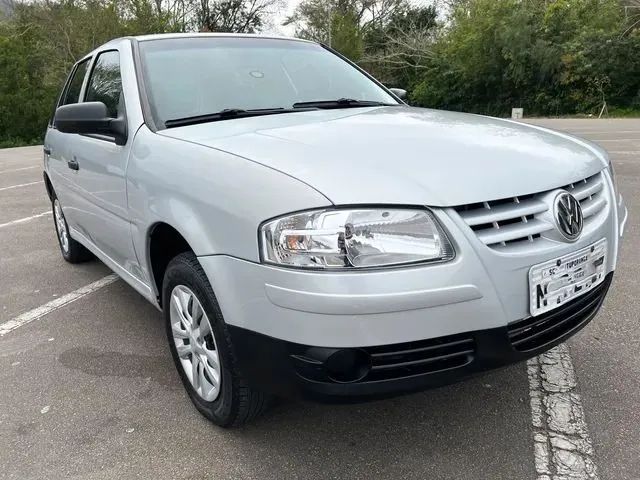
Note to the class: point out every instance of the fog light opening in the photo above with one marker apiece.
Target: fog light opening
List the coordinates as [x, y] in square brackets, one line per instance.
[348, 365]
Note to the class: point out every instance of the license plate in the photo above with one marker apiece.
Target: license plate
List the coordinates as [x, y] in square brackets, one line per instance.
[558, 281]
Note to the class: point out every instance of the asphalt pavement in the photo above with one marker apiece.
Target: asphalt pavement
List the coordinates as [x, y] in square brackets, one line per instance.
[89, 390]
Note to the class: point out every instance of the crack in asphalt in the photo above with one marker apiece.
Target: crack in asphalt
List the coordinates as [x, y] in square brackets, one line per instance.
[562, 446]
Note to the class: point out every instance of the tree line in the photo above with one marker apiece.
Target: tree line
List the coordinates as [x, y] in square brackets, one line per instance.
[550, 57]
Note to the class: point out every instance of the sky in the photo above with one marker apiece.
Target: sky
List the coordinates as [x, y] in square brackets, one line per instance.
[277, 28]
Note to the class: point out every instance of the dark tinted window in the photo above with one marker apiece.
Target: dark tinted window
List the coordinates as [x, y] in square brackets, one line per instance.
[105, 83]
[72, 93]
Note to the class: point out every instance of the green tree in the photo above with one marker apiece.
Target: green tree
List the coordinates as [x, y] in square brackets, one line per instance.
[26, 89]
[399, 49]
[346, 36]
[540, 55]
[238, 16]
[41, 40]
[342, 24]
[547, 56]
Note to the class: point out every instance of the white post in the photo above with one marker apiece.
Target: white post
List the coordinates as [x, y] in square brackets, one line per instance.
[604, 107]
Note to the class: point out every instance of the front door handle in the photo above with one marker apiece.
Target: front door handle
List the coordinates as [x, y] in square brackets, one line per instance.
[73, 164]
[46, 150]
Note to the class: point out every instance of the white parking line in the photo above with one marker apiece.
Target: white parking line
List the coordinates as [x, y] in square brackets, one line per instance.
[562, 446]
[18, 169]
[21, 185]
[49, 307]
[26, 219]
[615, 139]
[579, 131]
[625, 152]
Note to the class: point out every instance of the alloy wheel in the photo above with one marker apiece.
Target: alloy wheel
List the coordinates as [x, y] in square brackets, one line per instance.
[195, 343]
[63, 234]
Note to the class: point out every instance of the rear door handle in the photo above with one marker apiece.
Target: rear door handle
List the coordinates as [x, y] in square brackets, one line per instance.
[73, 164]
[46, 150]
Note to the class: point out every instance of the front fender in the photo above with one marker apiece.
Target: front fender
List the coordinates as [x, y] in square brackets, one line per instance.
[214, 199]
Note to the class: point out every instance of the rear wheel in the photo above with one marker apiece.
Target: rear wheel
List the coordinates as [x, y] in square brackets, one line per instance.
[72, 251]
[201, 347]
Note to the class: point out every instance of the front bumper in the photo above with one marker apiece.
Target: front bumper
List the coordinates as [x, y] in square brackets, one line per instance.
[279, 317]
[480, 289]
[295, 370]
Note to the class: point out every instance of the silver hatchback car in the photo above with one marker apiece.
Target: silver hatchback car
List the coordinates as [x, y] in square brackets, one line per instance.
[306, 233]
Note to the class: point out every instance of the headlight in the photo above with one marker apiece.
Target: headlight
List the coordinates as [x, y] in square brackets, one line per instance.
[354, 238]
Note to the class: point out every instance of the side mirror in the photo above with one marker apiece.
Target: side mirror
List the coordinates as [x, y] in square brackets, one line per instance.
[90, 118]
[399, 92]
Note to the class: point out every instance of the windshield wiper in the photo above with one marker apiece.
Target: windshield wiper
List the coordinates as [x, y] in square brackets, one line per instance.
[342, 103]
[228, 113]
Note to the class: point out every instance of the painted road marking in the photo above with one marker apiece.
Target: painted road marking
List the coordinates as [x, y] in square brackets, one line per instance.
[21, 185]
[55, 304]
[23, 220]
[625, 152]
[18, 169]
[615, 139]
[580, 131]
[562, 446]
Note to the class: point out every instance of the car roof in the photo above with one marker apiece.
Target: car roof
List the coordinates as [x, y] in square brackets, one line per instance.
[160, 36]
[163, 36]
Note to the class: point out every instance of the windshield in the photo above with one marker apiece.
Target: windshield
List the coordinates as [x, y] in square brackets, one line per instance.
[187, 77]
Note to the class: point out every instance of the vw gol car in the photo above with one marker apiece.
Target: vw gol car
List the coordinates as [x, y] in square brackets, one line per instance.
[306, 233]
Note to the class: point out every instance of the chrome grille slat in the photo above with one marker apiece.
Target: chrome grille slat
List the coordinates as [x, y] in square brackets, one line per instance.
[502, 212]
[510, 224]
[512, 232]
[592, 186]
[592, 206]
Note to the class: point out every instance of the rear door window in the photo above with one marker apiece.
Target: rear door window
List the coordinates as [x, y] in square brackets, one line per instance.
[72, 92]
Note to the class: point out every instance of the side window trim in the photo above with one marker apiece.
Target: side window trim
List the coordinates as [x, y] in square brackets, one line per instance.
[142, 87]
[67, 84]
[85, 82]
[65, 87]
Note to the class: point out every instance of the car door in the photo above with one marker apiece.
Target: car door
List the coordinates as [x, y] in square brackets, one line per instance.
[58, 146]
[100, 165]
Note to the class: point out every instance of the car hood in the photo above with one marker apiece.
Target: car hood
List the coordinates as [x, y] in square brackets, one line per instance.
[404, 155]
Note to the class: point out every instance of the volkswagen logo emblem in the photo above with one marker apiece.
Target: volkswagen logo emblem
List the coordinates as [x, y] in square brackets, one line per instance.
[568, 216]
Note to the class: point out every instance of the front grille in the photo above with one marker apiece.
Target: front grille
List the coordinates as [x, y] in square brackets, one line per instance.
[535, 332]
[509, 223]
[389, 362]
[416, 358]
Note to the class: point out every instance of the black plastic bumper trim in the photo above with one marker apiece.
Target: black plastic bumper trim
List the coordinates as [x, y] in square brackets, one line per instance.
[297, 371]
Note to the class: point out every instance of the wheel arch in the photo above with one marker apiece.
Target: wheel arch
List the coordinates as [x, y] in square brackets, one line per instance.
[164, 242]
[48, 186]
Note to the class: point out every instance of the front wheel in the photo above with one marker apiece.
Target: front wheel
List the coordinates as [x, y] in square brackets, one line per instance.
[201, 347]
[72, 251]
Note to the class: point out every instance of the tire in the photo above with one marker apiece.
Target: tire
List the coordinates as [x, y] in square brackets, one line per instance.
[234, 403]
[72, 251]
